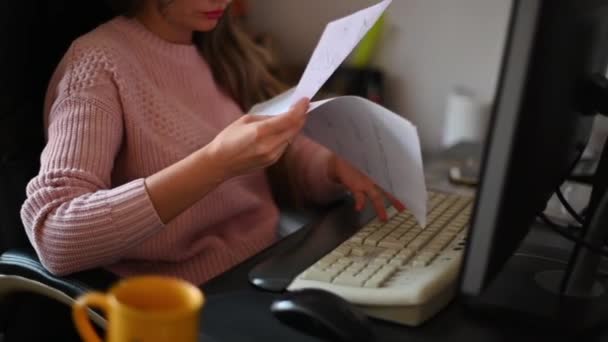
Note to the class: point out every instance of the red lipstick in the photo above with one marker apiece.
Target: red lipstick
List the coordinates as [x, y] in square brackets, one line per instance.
[214, 15]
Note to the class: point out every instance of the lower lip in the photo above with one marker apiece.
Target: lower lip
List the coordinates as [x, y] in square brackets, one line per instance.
[214, 15]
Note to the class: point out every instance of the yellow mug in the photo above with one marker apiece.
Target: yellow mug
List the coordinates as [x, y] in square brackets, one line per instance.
[145, 308]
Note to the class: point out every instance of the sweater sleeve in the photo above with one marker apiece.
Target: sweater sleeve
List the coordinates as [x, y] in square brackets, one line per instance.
[73, 216]
[309, 160]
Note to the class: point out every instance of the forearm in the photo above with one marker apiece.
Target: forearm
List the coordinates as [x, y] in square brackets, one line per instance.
[178, 186]
[75, 225]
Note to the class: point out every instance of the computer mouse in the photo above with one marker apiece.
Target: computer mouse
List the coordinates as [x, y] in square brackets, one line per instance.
[323, 314]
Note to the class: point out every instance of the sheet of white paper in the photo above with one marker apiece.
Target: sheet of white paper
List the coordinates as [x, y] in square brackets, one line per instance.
[375, 140]
[275, 106]
[280, 104]
[378, 142]
[338, 40]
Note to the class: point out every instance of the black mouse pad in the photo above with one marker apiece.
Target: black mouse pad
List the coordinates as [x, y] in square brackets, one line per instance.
[246, 316]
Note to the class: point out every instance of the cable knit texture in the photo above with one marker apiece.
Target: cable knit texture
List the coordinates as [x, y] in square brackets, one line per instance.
[122, 105]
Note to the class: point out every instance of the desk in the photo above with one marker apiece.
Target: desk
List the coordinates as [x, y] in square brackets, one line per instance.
[237, 311]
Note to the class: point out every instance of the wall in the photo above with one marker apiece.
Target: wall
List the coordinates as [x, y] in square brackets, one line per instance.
[429, 47]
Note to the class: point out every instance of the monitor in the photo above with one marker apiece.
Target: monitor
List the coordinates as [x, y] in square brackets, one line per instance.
[540, 125]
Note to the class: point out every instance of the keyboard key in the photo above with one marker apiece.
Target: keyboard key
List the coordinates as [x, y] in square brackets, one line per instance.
[349, 280]
[391, 243]
[361, 251]
[437, 245]
[423, 259]
[342, 250]
[401, 258]
[373, 283]
[372, 268]
[358, 238]
[327, 260]
[318, 275]
[398, 261]
[333, 271]
[365, 274]
[416, 244]
[388, 253]
[354, 268]
[339, 267]
[381, 276]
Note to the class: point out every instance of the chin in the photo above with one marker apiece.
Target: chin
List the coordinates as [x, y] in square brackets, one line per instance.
[205, 26]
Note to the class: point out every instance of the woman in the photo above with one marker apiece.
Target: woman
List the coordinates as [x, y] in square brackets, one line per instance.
[151, 166]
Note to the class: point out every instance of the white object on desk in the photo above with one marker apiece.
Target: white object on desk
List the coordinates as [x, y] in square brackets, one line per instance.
[395, 270]
[464, 118]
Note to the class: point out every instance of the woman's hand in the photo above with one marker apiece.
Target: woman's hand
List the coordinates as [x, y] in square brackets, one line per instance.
[251, 142]
[361, 187]
[256, 141]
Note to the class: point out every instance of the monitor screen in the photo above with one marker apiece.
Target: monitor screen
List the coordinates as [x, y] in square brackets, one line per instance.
[539, 125]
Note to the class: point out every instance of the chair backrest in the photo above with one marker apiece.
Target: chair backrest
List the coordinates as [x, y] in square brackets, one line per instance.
[34, 35]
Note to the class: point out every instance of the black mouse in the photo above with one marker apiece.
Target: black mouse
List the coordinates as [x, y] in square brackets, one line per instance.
[323, 314]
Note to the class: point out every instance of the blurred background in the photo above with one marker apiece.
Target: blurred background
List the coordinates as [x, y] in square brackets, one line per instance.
[427, 49]
[434, 62]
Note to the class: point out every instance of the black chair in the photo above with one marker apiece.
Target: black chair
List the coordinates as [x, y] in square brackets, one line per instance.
[34, 35]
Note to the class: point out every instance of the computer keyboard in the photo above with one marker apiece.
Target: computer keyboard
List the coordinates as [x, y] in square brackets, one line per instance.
[396, 270]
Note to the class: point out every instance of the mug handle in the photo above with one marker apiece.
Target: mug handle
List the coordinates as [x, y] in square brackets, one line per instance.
[81, 316]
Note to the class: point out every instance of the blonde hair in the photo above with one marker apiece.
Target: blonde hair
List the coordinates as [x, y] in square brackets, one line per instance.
[239, 66]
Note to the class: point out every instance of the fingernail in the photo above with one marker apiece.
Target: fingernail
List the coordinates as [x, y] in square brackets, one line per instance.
[303, 101]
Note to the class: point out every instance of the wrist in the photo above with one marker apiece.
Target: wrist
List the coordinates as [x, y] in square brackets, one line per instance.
[209, 159]
[332, 168]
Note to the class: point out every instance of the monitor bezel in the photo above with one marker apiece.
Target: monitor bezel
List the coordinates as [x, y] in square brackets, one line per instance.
[498, 151]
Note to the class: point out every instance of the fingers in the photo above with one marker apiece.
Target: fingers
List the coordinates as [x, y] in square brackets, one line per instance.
[301, 107]
[249, 118]
[359, 200]
[376, 196]
[294, 118]
[394, 201]
[285, 133]
[361, 186]
[287, 136]
[377, 199]
[273, 146]
[278, 153]
[273, 149]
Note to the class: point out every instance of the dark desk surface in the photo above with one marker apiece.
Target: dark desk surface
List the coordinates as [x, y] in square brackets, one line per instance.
[237, 311]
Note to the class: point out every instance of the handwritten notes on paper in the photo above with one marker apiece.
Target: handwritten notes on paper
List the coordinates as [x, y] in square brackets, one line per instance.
[378, 142]
[338, 40]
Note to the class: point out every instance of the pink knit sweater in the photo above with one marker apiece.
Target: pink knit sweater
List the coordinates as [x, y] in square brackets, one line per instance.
[122, 105]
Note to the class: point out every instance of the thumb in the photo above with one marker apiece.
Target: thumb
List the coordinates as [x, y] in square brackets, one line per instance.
[300, 107]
